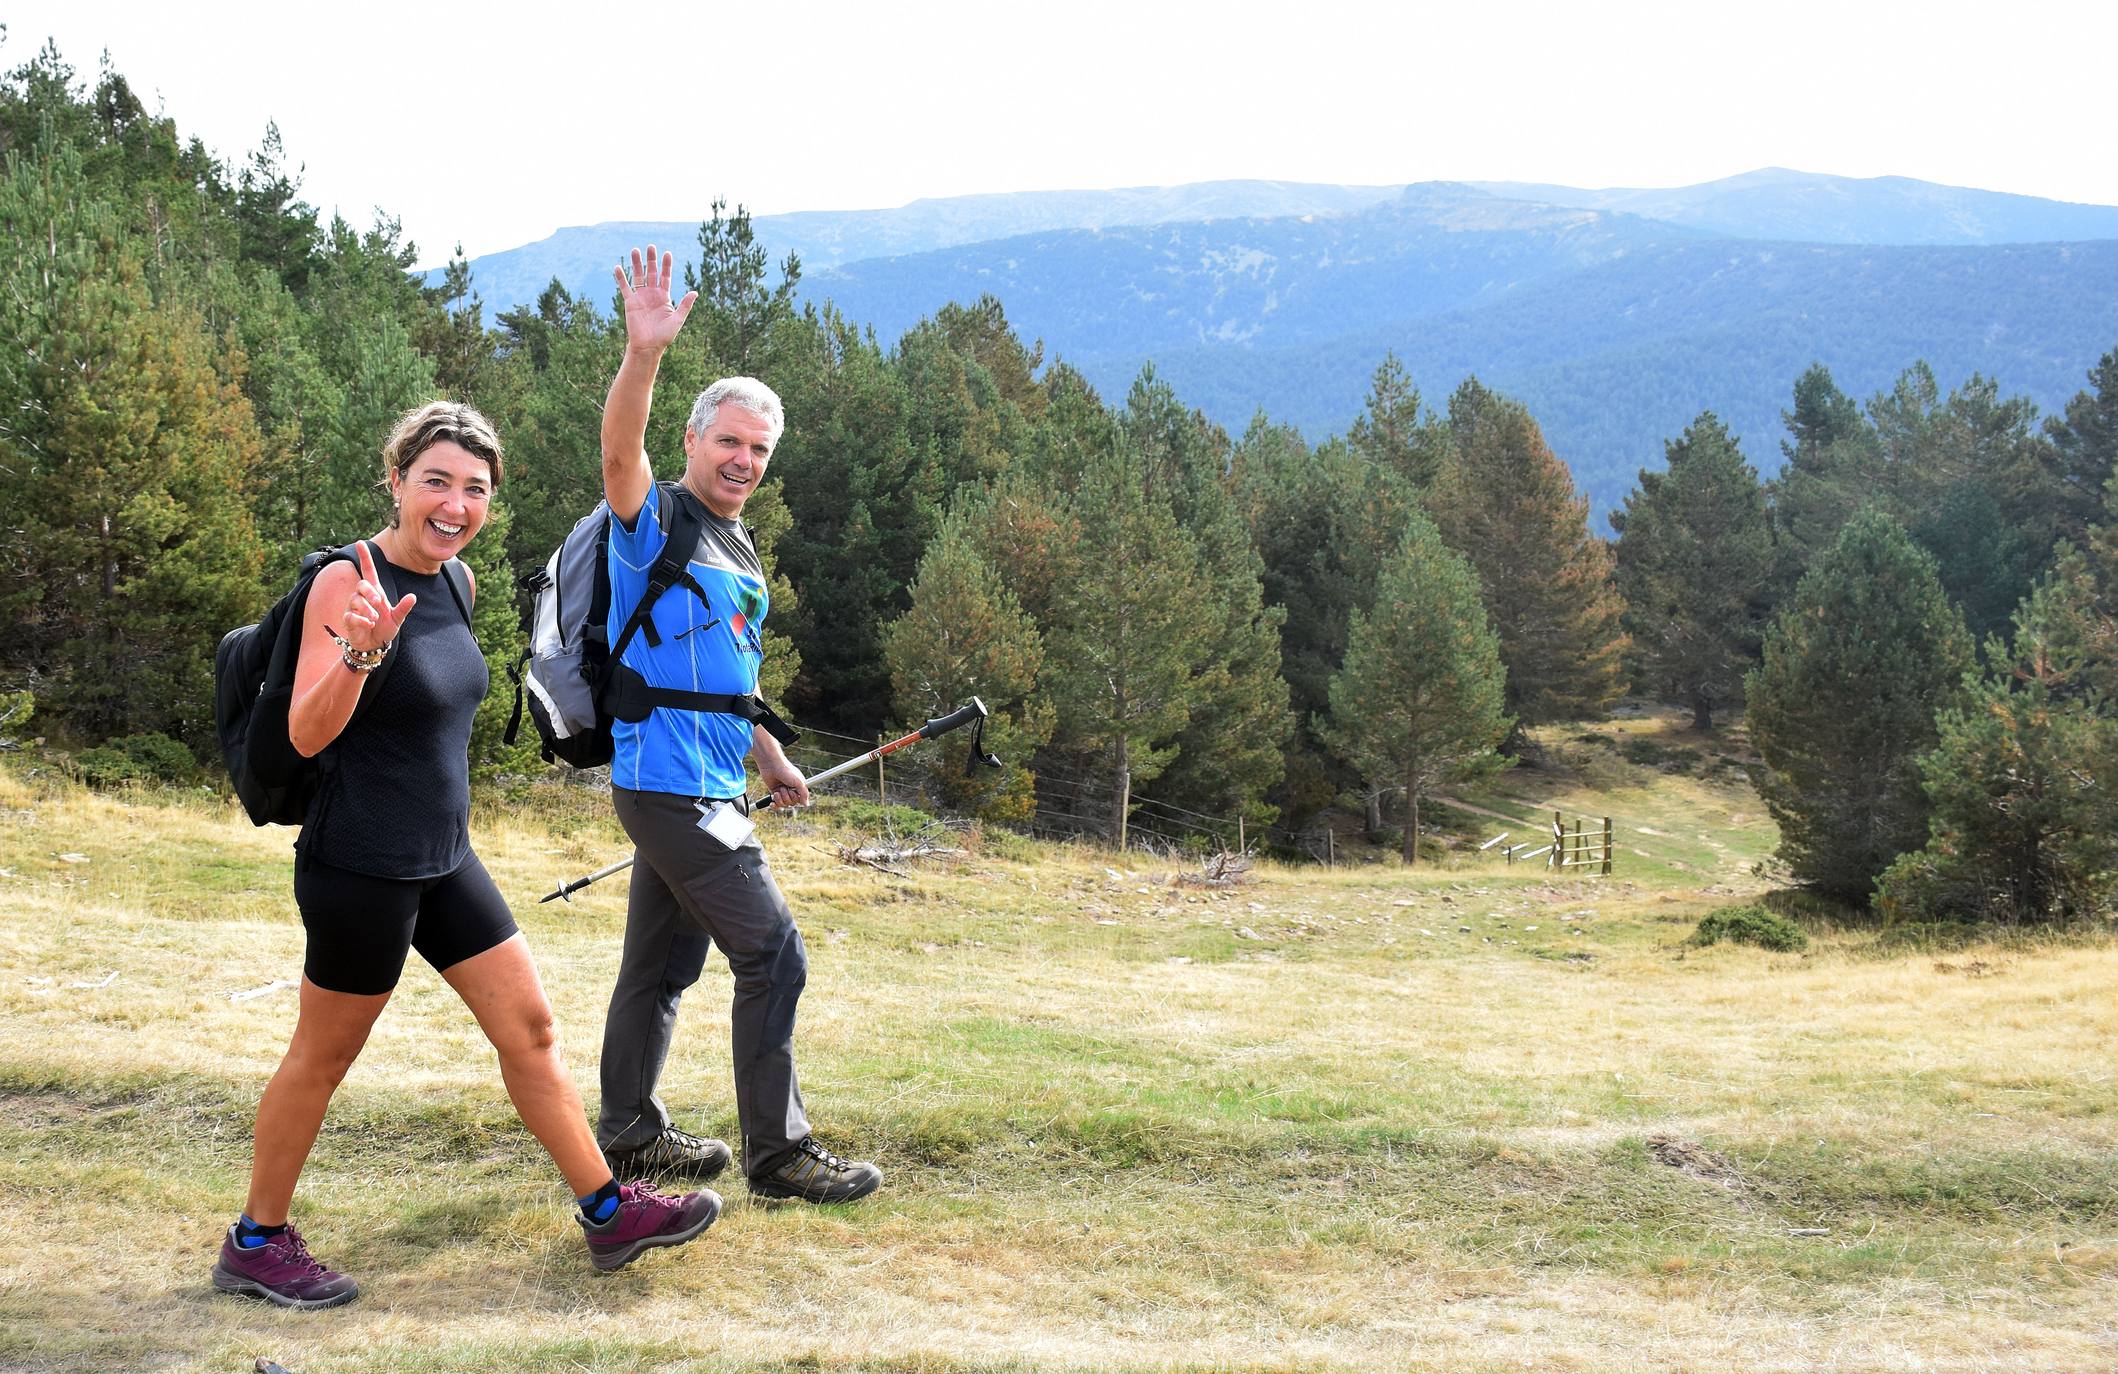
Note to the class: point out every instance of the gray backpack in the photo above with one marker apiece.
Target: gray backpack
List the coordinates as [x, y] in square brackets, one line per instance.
[571, 675]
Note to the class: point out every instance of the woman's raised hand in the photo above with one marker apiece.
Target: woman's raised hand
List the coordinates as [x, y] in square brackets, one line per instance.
[370, 620]
[651, 319]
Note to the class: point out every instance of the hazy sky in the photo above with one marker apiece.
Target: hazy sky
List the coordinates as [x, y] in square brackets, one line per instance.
[494, 125]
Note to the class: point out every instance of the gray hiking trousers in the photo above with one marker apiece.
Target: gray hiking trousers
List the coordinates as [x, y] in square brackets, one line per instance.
[688, 893]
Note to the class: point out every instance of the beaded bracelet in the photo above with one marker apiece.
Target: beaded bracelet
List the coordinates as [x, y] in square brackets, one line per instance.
[357, 660]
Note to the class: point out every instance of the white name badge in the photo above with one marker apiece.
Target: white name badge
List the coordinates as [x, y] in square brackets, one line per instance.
[728, 826]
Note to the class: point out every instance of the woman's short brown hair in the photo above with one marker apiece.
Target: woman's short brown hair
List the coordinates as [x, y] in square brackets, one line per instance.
[439, 422]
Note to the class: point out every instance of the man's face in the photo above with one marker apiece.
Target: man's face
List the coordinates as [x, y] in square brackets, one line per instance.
[728, 460]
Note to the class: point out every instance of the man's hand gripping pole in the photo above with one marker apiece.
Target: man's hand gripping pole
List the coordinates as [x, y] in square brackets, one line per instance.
[940, 725]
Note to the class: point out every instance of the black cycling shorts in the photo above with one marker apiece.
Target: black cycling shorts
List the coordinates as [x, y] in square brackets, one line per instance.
[360, 927]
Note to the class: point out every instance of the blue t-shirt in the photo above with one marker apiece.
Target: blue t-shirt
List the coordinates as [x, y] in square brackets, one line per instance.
[706, 647]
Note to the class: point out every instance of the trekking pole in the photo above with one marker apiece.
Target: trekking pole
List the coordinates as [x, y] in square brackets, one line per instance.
[940, 725]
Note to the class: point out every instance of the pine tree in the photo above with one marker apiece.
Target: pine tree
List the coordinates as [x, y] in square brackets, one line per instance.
[1395, 432]
[1968, 475]
[1508, 505]
[1126, 638]
[1323, 522]
[1694, 561]
[1420, 698]
[2084, 450]
[388, 377]
[1843, 706]
[1230, 754]
[1020, 526]
[452, 332]
[128, 461]
[1823, 416]
[276, 229]
[1831, 470]
[981, 333]
[964, 636]
[296, 403]
[740, 313]
[2025, 816]
[545, 393]
[860, 514]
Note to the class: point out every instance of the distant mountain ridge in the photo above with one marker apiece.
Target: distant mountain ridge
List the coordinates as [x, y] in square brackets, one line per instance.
[581, 256]
[1255, 282]
[1616, 331]
[1771, 203]
[1808, 207]
[1617, 315]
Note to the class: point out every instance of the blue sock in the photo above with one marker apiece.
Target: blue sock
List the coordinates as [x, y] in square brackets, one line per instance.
[600, 1205]
[249, 1235]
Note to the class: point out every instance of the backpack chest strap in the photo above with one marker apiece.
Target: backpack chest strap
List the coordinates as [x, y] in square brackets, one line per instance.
[629, 697]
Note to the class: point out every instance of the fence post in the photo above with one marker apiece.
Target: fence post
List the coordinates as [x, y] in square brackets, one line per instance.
[1242, 847]
[1607, 846]
[1125, 804]
[1330, 847]
[1553, 858]
[882, 793]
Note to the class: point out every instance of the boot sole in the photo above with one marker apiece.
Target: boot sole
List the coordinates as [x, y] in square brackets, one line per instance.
[609, 1261]
[226, 1281]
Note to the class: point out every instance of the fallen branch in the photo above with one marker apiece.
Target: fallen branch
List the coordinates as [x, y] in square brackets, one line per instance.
[1223, 868]
[884, 852]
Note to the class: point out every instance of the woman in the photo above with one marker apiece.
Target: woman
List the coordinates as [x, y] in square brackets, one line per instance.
[385, 866]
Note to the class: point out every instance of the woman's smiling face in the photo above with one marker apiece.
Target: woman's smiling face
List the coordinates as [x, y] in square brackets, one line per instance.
[443, 497]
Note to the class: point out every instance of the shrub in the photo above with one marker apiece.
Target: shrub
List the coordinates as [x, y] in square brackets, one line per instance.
[104, 766]
[1750, 925]
[152, 757]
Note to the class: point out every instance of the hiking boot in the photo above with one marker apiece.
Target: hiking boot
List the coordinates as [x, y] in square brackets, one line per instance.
[644, 1220]
[672, 1154]
[813, 1174]
[282, 1272]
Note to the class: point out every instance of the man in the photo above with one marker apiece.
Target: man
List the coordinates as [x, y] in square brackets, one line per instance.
[678, 771]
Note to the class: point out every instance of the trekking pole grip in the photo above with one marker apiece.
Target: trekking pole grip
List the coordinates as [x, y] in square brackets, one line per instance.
[962, 715]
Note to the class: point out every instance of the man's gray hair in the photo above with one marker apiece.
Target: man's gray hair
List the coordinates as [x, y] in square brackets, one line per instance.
[749, 394]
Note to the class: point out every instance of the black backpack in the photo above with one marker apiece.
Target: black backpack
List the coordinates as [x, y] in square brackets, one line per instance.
[253, 686]
[570, 675]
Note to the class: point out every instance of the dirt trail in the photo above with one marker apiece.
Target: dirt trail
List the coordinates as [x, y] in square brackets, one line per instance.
[1496, 815]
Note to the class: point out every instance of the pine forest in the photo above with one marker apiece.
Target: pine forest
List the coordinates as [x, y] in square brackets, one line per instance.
[1184, 633]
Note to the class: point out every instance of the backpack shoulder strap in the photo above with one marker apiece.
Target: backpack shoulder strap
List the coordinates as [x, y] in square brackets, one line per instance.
[671, 568]
[459, 580]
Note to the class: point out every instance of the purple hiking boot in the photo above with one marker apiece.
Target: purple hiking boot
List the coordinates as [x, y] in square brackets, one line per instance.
[282, 1272]
[645, 1219]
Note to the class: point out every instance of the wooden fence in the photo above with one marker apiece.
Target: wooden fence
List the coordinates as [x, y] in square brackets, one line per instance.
[1587, 843]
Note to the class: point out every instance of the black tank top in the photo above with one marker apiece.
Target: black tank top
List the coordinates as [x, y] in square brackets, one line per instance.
[396, 795]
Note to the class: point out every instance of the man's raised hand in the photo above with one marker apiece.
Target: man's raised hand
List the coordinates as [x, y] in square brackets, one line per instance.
[370, 620]
[651, 319]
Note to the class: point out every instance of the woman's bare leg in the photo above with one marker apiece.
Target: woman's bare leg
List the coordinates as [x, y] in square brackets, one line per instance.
[328, 1036]
[502, 989]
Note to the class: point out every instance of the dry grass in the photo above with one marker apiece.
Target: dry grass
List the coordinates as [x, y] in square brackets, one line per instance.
[1356, 1119]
